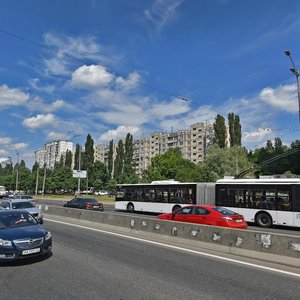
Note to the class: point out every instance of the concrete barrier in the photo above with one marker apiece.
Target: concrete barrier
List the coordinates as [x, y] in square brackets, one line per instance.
[269, 246]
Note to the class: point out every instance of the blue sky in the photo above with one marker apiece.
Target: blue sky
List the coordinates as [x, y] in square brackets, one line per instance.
[109, 67]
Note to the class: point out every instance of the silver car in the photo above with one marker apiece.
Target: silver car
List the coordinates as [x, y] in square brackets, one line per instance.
[25, 204]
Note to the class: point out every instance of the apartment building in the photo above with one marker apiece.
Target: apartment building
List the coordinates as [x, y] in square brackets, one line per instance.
[193, 144]
[52, 152]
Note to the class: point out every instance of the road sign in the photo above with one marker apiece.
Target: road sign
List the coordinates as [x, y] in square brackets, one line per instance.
[79, 174]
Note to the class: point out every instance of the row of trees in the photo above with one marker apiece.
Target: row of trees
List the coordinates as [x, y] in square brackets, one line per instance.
[225, 157]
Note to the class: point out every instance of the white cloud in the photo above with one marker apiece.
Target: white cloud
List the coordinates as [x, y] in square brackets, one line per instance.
[12, 97]
[165, 109]
[57, 135]
[70, 49]
[134, 111]
[162, 12]
[5, 140]
[35, 84]
[3, 152]
[40, 121]
[282, 97]
[118, 133]
[203, 114]
[39, 105]
[19, 146]
[92, 76]
[260, 135]
[131, 82]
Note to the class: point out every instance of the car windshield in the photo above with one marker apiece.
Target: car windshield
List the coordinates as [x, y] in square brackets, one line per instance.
[224, 211]
[16, 220]
[5, 204]
[21, 205]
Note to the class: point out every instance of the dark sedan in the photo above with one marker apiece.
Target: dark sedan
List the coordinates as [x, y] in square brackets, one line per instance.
[85, 203]
[21, 236]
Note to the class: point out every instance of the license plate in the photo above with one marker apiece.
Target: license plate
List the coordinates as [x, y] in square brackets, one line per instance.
[239, 220]
[95, 206]
[30, 251]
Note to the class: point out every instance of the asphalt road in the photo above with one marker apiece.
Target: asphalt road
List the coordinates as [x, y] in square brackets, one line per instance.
[89, 264]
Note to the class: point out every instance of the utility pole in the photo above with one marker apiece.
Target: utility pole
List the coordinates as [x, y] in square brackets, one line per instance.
[295, 71]
[37, 181]
[44, 180]
[17, 172]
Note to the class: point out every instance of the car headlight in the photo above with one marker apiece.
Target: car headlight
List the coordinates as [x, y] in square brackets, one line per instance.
[48, 236]
[5, 243]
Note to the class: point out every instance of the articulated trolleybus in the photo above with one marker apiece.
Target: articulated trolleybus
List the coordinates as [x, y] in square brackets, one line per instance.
[163, 196]
[265, 202]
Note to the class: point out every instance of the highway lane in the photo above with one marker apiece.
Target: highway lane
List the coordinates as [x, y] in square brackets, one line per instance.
[88, 264]
[111, 208]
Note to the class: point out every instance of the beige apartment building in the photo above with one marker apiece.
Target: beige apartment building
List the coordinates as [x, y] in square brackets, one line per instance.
[193, 144]
[52, 152]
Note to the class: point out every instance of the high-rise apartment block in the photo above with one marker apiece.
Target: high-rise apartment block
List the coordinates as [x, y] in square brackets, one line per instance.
[193, 144]
[52, 152]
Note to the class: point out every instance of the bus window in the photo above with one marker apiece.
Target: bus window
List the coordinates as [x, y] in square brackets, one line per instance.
[149, 195]
[139, 195]
[129, 194]
[284, 201]
[120, 194]
[162, 195]
[255, 198]
[232, 198]
[270, 199]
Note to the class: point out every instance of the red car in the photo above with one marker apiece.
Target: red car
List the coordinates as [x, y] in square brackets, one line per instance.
[208, 215]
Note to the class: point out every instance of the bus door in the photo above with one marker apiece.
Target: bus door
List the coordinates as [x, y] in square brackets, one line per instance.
[285, 215]
[296, 204]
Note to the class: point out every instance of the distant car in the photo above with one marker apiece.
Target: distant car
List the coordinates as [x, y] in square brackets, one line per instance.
[207, 214]
[84, 203]
[101, 193]
[21, 236]
[23, 196]
[25, 204]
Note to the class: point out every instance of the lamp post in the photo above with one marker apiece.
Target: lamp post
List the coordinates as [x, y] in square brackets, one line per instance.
[79, 158]
[295, 71]
[17, 172]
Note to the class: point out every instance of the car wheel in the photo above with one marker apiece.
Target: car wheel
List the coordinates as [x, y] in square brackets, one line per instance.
[263, 219]
[130, 207]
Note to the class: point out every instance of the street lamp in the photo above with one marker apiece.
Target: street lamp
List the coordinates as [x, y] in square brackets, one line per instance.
[74, 135]
[17, 172]
[295, 71]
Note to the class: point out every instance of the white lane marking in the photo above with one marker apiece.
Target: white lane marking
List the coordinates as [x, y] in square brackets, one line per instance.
[179, 248]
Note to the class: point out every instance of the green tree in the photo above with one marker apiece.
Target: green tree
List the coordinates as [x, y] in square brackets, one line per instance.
[129, 175]
[68, 160]
[119, 162]
[110, 158]
[78, 154]
[227, 162]
[231, 128]
[220, 131]
[170, 165]
[237, 131]
[100, 175]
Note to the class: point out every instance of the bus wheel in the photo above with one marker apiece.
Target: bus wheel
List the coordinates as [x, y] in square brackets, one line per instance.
[263, 219]
[130, 207]
[176, 207]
